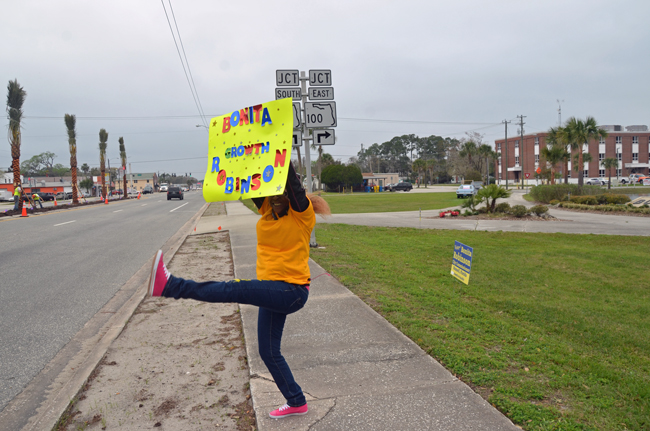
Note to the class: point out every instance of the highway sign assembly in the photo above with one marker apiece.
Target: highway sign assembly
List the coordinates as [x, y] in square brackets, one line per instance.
[324, 137]
[320, 114]
[294, 93]
[320, 78]
[287, 78]
[297, 122]
[321, 93]
[297, 139]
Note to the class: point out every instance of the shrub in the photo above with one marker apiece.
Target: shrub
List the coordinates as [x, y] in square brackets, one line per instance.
[539, 209]
[617, 199]
[554, 202]
[547, 193]
[468, 213]
[584, 200]
[518, 211]
[503, 207]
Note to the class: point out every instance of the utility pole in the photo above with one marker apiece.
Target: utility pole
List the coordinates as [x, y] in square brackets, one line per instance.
[521, 130]
[506, 123]
[559, 112]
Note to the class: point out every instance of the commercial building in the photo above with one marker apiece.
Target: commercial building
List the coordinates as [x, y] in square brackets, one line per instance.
[520, 159]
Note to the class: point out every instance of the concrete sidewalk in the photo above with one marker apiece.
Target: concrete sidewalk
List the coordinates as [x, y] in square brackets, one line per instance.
[357, 370]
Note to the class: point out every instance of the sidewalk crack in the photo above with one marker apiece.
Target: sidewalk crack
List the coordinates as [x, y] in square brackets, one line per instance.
[324, 416]
[257, 376]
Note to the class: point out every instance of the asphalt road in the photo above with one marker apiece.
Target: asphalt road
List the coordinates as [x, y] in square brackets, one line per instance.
[58, 269]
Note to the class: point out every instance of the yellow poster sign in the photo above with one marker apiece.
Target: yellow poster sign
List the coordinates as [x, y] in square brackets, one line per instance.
[249, 152]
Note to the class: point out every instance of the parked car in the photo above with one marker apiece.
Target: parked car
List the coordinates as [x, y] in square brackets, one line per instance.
[404, 186]
[147, 189]
[116, 192]
[46, 196]
[643, 180]
[465, 190]
[174, 192]
[634, 178]
[477, 185]
[595, 182]
[64, 195]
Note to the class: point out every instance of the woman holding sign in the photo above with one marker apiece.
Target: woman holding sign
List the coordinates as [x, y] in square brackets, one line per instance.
[282, 286]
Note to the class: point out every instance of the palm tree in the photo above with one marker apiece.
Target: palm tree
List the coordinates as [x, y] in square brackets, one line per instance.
[123, 158]
[103, 137]
[70, 122]
[431, 167]
[468, 149]
[579, 133]
[491, 193]
[609, 163]
[419, 166]
[555, 150]
[15, 99]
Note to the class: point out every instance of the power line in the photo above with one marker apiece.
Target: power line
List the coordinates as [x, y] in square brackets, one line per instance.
[185, 56]
[195, 94]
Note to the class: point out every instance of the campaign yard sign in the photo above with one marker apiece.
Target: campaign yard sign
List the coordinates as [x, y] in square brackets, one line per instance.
[461, 264]
[249, 152]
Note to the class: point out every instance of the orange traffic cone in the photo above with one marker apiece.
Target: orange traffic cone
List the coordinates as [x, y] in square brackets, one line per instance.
[55, 204]
[106, 200]
[24, 214]
[138, 195]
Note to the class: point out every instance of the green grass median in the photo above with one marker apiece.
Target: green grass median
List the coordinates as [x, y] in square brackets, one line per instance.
[553, 329]
[353, 203]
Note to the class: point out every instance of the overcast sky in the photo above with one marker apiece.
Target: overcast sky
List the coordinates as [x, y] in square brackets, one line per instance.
[398, 67]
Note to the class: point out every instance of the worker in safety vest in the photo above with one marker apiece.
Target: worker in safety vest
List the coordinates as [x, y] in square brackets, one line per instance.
[17, 192]
[38, 199]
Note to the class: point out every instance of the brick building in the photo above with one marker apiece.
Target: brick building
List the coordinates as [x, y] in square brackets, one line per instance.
[630, 146]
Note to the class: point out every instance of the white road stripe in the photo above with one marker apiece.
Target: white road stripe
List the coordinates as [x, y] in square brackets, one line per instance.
[179, 207]
[60, 224]
[117, 211]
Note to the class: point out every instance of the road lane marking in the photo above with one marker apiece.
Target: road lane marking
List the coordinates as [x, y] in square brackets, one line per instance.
[60, 224]
[117, 211]
[143, 205]
[179, 207]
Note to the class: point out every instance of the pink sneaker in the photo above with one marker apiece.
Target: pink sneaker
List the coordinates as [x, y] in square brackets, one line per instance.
[159, 276]
[287, 410]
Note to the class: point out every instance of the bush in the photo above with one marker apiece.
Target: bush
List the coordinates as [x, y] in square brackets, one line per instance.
[519, 211]
[554, 202]
[539, 209]
[584, 200]
[617, 199]
[468, 213]
[503, 207]
[547, 193]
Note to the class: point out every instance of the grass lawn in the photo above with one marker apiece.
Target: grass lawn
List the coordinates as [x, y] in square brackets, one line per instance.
[384, 202]
[553, 329]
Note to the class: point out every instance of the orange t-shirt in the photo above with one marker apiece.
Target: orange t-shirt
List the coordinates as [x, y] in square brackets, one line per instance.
[283, 245]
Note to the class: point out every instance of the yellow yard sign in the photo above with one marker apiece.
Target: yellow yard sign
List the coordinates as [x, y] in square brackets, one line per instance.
[249, 152]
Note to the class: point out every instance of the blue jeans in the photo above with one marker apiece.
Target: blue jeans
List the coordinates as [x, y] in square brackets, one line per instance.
[275, 300]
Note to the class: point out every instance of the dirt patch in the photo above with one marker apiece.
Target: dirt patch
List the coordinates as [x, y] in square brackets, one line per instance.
[177, 365]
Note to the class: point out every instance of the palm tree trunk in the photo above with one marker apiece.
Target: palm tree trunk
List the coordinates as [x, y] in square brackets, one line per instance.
[75, 195]
[581, 178]
[15, 165]
[103, 171]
